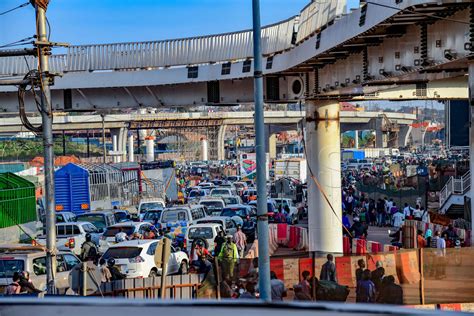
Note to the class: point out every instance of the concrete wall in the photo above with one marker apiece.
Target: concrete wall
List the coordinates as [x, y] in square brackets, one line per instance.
[13, 234]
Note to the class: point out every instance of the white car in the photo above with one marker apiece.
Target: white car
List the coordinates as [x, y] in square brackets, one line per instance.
[231, 199]
[206, 232]
[228, 223]
[222, 192]
[150, 204]
[108, 237]
[214, 205]
[71, 235]
[136, 258]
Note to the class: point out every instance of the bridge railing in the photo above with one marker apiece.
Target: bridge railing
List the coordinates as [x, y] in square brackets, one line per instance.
[186, 51]
[318, 14]
[21, 65]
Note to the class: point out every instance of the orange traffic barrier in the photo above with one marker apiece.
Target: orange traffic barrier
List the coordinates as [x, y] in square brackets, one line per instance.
[407, 267]
[346, 267]
[359, 246]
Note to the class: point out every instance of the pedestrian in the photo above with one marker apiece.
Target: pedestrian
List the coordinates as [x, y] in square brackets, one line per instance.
[428, 235]
[421, 242]
[417, 213]
[249, 293]
[89, 250]
[218, 242]
[346, 223]
[390, 293]
[114, 270]
[377, 275]
[380, 213]
[278, 289]
[425, 215]
[26, 284]
[407, 210]
[106, 276]
[240, 240]
[358, 229]
[398, 219]
[366, 290]
[14, 287]
[360, 269]
[121, 236]
[304, 283]
[328, 270]
[228, 257]
[434, 240]
[441, 256]
[372, 212]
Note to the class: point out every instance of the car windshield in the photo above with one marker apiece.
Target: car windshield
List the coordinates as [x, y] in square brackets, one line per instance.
[122, 252]
[120, 217]
[97, 220]
[112, 231]
[212, 204]
[234, 211]
[231, 200]
[10, 266]
[200, 232]
[151, 206]
[195, 193]
[174, 216]
[220, 192]
[151, 216]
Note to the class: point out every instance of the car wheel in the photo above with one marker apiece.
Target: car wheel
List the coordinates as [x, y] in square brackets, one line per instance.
[183, 268]
[153, 274]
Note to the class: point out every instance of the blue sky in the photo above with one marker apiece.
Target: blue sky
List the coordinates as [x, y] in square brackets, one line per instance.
[107, 21]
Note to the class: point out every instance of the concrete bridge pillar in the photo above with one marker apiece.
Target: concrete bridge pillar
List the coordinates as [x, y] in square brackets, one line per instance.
[119, 141]
[131, 149]
[356, 139]
[324, 164]
[379, 135]
[221, 142]
[150, 148]
[404, 135]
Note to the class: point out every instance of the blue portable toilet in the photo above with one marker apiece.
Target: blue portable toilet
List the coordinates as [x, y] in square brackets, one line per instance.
[72, 189]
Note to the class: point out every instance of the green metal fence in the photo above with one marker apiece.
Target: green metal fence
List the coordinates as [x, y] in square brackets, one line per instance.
[17, 200]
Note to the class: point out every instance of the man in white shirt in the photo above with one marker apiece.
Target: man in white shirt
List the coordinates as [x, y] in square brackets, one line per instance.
[407, 211]
[398, 219]
[417, 213]
[441, 257]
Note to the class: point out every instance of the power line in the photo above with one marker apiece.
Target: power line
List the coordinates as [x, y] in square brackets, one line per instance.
[19, 42]
[15, 8]
[420, 13]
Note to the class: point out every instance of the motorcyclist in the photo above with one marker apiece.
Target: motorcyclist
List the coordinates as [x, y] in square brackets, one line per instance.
[89, 250]
[114, 270]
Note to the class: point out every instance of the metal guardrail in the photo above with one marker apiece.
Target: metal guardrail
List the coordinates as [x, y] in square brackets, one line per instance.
[457, 186]
[316, 15]
[175, 52]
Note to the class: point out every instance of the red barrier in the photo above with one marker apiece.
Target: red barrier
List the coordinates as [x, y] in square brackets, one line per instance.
[294, 237]
[346, 267]
[407, 267]
[450, 307]
[276, 265]
[346, 245]
[282, 233]
[359, 246]
[374, 247]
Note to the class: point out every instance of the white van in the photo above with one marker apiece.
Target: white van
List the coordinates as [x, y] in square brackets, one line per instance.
[182, 216]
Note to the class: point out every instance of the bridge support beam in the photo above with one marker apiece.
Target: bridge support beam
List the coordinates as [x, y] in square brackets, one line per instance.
[150, 148]
[379, 135]
[131, 150]
[404, 135]
[471, 140]
[324, 164]
[221, 142]
[356, 139]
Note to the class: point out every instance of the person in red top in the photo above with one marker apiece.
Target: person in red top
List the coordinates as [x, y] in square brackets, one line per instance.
[421, 242]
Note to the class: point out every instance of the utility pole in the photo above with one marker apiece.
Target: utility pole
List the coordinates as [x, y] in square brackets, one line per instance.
[43, 47]
[262, 212]
[103, 139]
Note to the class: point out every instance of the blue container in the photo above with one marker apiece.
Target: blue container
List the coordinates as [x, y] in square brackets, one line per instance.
[72, 189]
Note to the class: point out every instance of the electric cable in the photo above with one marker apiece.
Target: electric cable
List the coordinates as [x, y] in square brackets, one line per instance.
[19, 42]
[15, 8]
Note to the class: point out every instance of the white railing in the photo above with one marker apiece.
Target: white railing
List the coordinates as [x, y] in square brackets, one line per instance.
[21, 65]
[316, 15]
[186, 51]
[458, 186]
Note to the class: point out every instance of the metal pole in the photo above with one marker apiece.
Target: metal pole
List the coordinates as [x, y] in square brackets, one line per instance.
[88, 145]
[471, 140]
[84, 279]
[103, 139]
[262, 215]
[64, 143]
[47, 120]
